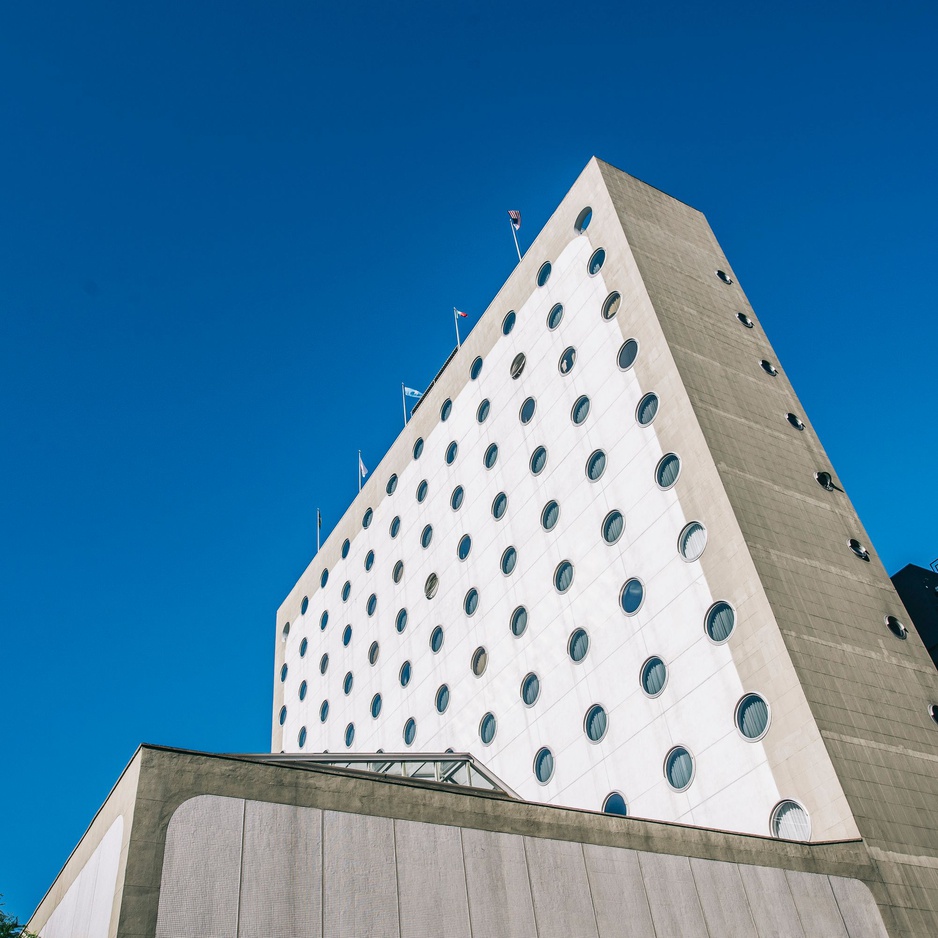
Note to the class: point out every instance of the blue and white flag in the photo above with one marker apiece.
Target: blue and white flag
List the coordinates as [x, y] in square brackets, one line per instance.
[410, 392]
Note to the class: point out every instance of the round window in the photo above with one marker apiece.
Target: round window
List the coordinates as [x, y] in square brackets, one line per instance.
[283, 674]
[544, 765]
[667, 471]
[369, 560]
[795, 421]
[483, 411]
[769, 368]
[480, 661]
[824, 480]
[487, 728]
[400, 622]
[692, 541]
[455, 500]
[543, 274]
[395, 527]
[436, 639]
[647, 409]
[426, 536]
[519, 621]
[451, 452]
[349, 735]
[431, 586]
[790, 821]
[464, 547]
[346, 635]
[550, 515]
[578, 645]
[654, 676]
[858, 549]
[563, 576]
[347, 683]
[286, 631]
[398, 571]
[613, 525]
[752, 717]
[508, 561]
[446, 410]
[324, 663]
[567, 360]
[595, 723]
[373, 653]
[323, 621]
[632, 596]
[499, 506]
[301, 738]
[376, 705]
[530, 689]
[615, 804]
[538, 460]
[404, 674]
[471, 601]
[745, 320]
[303, 646]
[720, 622]
[442, 698]
[580, 410]
[896, 627]
[679, 768]
[346, 544]
[517, 365]
[346, 589]
[283, 715]
[324, 711]
[304, 605]
[555, 316]
[595, 465]
[627, 354]
[418, 447]
[475, 369]
[366, 518]
[596, 262]
[422, 490]
[508, 323]
[611, 305]
[410, 731]
[526, 414]
[491, 456]
[724, 276]
[371, 605]
[392, 485]
[324, 578]
[583, 220]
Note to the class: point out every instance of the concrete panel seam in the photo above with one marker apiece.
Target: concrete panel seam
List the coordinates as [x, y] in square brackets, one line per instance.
[527, 870]
[465, 878]
[397, 871]
[864, 652]
[885, 747]
[589, 886]
[906, 859]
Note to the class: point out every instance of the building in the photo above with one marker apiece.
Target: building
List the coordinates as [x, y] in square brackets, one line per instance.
[610, 559]
[609, 555]
[918, 589]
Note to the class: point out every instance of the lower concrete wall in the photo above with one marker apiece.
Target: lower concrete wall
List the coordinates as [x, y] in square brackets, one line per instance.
[246, 868]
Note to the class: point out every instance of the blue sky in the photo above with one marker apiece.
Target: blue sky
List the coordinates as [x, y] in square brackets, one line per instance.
[230, 230]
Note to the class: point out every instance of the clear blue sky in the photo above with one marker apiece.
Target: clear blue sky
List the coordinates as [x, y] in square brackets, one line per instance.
[228, 231]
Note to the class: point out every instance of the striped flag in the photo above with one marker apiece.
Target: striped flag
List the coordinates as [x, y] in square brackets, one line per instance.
[515, 219]
[460, 313]
[410, 392]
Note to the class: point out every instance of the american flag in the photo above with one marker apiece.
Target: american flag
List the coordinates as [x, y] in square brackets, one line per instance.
[515, 219]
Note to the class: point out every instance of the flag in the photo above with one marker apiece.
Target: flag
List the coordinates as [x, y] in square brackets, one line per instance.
[318, 520]
[410, 392]
[460, 313]
[361, 467]
[515, 219]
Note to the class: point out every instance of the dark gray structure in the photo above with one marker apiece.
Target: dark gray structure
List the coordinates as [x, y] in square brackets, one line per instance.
[918, 590]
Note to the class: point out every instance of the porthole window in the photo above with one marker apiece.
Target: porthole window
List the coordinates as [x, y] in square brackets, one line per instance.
[455, 500]
[543, 274]
[283, 673]
[418, 447]
[679, 768]
[464, 547]
[346, 589]
[654, 676]
[395, 527]
[724, 276]
[632, 596]
[745, 320]
[538, 460]
[392, 485]
[301, 738]
[283, 715]
[475, 369]
[692, 541]
[349, 735]
[824, 480]
[373, 653]
[346, 544]
[519, 621]
[499, 506]
[483, 411]
[790, 821]
[400, 622]
[442, 698]
[426, 536]
[752, 717]
[347, 684]
[508, 561]
[398, 572]
[530, 689]
[544, 765]
[376, 705]
[795, 421]
[611, 305]
[896, 627]
[647, 409]
[583, 220]
[324, 664]
[302, 693]
[517, 365]
[555, 316]
[346, 635]
[615, 804]
[526, 414]
[550, 515]
[286, 631]
[578, 645]
[366, 518]
[369, 560]
[596, 262]
[491, 456]
[304, 605]
[720, 622]
[410, 731]
[371, 605]
[471, 601]
[595, 723]
[858, 549]
[508, 323]
[451, 452]
[323, 711]
[563, 576]
[613, 525]
[303, 646]
[405, 673]
[567, 360]
[446, 410]
[627, 354]
[487, 728]
[933, 712]
[595, 465]
[667, 471]
[480, 661]
[580, 410]
[436, 639]
[324, 621]
[431, 586]
[422, 491]
[324, 578]
[769, 368]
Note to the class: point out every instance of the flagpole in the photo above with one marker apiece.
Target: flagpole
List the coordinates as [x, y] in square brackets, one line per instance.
[514, 234]
[318, 526]
[404, 403]
[359, 470]
[456, 323]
